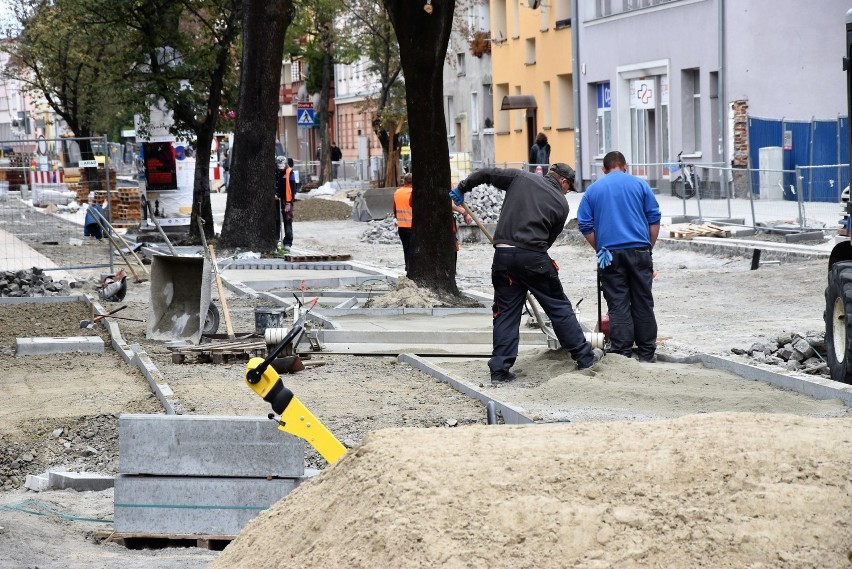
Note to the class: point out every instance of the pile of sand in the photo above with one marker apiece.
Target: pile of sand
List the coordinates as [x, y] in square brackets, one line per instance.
[406, 295]
[717, 490]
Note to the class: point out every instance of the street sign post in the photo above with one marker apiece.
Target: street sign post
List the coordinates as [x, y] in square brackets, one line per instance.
[305, 114]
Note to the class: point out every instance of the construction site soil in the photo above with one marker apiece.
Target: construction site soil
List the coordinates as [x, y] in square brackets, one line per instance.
[660, 465]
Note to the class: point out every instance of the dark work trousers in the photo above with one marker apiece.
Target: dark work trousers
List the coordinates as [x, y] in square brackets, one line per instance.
[515, 271]
[405, 238]
[626, 285]
[288, 226]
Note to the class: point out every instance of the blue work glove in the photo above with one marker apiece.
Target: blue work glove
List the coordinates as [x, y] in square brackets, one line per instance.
[457, 195]
[604, 258]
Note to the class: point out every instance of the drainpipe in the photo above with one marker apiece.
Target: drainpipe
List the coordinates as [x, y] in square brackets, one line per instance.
[575, 85]
[723, 107]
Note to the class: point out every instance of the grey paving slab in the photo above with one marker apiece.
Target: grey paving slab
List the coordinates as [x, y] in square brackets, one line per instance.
[37, 482]
[59, 345]
[193, 505]
[205, 445]
[80, 481]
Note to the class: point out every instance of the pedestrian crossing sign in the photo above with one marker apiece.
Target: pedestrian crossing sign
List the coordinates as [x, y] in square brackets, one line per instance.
[305, 117]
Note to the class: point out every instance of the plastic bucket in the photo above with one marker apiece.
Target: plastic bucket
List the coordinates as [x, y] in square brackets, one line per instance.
[265, 317]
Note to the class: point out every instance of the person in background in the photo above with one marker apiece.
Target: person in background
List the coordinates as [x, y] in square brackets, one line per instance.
[539, 153]
[533, 215]
[285, 188]
[403, 214]
[336, 157]
[92, 223]
[620, 218]
[226, 174]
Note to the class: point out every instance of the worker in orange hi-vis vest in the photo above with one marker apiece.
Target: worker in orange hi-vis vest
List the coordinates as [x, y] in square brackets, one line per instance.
[404, 217]
[285, 186]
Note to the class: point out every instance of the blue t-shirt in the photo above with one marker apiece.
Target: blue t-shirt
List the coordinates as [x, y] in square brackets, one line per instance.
[618, 208]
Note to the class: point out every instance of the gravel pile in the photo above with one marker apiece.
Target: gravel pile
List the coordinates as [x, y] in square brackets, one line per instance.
[76, 444]
[485, 201]
[792, 351]
[30, 282]
[320, 209]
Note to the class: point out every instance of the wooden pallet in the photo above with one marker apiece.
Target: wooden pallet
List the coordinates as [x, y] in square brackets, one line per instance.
[688, 231]
[316, 258]
[221, 352]
[160, 541]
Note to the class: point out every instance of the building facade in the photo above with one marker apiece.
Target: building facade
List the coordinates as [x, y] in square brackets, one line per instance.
[533, 89]
[468, 103]
[661, 77]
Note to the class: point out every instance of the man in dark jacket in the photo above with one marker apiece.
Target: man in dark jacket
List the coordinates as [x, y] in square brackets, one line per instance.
[336, 157]
[533, 215]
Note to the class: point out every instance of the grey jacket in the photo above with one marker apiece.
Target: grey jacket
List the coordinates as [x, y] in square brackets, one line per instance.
[534, 208]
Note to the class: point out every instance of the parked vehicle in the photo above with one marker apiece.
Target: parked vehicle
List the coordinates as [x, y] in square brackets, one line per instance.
[838, 293]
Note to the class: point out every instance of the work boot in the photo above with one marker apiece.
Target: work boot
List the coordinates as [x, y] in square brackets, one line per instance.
[597, 354]
[651, 360]
[502, 376]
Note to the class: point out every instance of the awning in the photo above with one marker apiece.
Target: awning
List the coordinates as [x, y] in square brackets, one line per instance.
[518, 102]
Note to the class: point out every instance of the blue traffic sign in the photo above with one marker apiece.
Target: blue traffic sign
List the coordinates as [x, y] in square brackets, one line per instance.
[305, 117]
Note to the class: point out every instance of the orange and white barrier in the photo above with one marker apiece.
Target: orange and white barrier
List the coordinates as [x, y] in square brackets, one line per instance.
[44, 177]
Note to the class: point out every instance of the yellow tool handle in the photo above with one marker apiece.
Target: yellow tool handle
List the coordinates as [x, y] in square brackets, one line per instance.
[299, 421]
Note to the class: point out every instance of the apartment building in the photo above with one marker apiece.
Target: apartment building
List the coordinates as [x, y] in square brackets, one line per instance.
[354, 85]
[533, 89]
[468, 102]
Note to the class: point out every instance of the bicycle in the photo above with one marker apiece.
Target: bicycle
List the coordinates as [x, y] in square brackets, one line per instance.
[687, 182]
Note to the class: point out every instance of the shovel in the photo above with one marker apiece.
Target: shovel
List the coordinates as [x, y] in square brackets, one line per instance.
[99, 317]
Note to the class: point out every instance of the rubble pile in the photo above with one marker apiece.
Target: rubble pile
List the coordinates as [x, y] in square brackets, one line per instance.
[30, 282]
[792, 351]
[381, 231]
[76, 444]
[484, 201]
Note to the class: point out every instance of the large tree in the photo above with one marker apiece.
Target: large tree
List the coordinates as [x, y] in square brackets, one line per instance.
[423, 31]
[186, 60]
[65, 58]
[250, 211]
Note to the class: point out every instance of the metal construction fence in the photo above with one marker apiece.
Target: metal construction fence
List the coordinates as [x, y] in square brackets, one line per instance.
[800, 199]
[44, 197]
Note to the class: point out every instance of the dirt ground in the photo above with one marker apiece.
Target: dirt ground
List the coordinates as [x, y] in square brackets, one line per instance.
[704, 304]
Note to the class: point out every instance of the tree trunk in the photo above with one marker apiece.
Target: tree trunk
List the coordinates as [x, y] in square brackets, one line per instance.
[250, 212]
[423, 39]
[201, 187]
[325, 96]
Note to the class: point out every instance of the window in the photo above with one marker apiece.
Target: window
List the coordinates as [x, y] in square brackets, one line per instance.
[643, 103]
[610, 7]
[691, 99]
[564, 102]
[547, 106]
[498, 15]
[474, 113]
[501, 118]
[451, 117]
[603, 123]
[460, 64]
[529, 51]
[665, 140]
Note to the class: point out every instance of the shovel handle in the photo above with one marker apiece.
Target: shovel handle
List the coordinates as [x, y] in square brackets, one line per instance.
[478, 222]
[110, 313]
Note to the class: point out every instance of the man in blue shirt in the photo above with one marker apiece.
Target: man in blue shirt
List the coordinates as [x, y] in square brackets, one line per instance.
[620, 218]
